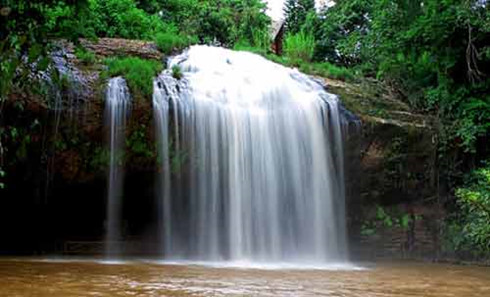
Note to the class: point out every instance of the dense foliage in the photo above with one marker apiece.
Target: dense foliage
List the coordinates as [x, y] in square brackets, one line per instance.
[472, 223]
[298, 14]
[434, 53]
[24, 37]
[220, 21]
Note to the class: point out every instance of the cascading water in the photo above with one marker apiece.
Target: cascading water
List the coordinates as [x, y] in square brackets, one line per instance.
[263, 174]
[117, 107]
[161, 97]
[63, 101]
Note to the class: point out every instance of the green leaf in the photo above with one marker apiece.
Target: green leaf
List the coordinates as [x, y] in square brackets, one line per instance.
[405, 221]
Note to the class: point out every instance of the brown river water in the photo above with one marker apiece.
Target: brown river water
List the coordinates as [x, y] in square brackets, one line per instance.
[34, 277]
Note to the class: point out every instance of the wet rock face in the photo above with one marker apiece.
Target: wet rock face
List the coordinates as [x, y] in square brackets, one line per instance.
[391, 162]
[395, 171]
[397, 147]
[70, 146]
[398, 164]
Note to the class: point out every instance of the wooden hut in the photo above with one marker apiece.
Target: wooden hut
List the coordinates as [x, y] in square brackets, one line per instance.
[278, 30]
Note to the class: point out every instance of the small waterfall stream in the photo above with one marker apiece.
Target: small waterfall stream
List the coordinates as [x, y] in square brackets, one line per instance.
[117, 108]
[161, 96]
[263, 174]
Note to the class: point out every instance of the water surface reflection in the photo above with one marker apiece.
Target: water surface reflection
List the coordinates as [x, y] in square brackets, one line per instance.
[32, 277]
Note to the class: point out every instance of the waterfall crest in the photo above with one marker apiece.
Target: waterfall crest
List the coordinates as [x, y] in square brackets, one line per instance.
[262, 179]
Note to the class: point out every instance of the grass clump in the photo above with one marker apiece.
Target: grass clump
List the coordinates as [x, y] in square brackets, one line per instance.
[138, 73]
[326, 69]
[299, 47]
[169, 40]
[246, 47]
[86, 57]
[177, 72]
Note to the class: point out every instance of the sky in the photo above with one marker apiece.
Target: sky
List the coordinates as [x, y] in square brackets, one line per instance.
[276, 7]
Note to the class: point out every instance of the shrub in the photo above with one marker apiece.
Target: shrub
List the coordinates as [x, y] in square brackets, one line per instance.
[177, 72]
[299, 47]
[138, 73]
[474, 200]
[85, 56]
[169, 40]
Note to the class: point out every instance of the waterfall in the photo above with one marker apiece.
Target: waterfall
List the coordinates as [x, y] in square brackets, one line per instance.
[161, 96]
[117, 107]
[261, 179]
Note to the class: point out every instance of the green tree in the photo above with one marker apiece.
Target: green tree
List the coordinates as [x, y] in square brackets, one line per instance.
[341, 36]
[25, 33]
[297, 13]
[433, 53]
[474, 202]
[221, 21]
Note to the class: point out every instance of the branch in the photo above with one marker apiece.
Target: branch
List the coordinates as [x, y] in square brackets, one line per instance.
[474, 74]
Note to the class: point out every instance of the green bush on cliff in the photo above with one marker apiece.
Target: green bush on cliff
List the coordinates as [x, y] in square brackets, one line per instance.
[177, 72]
[138, 73]
[85, 56]
[137, 143]
[474, 201]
